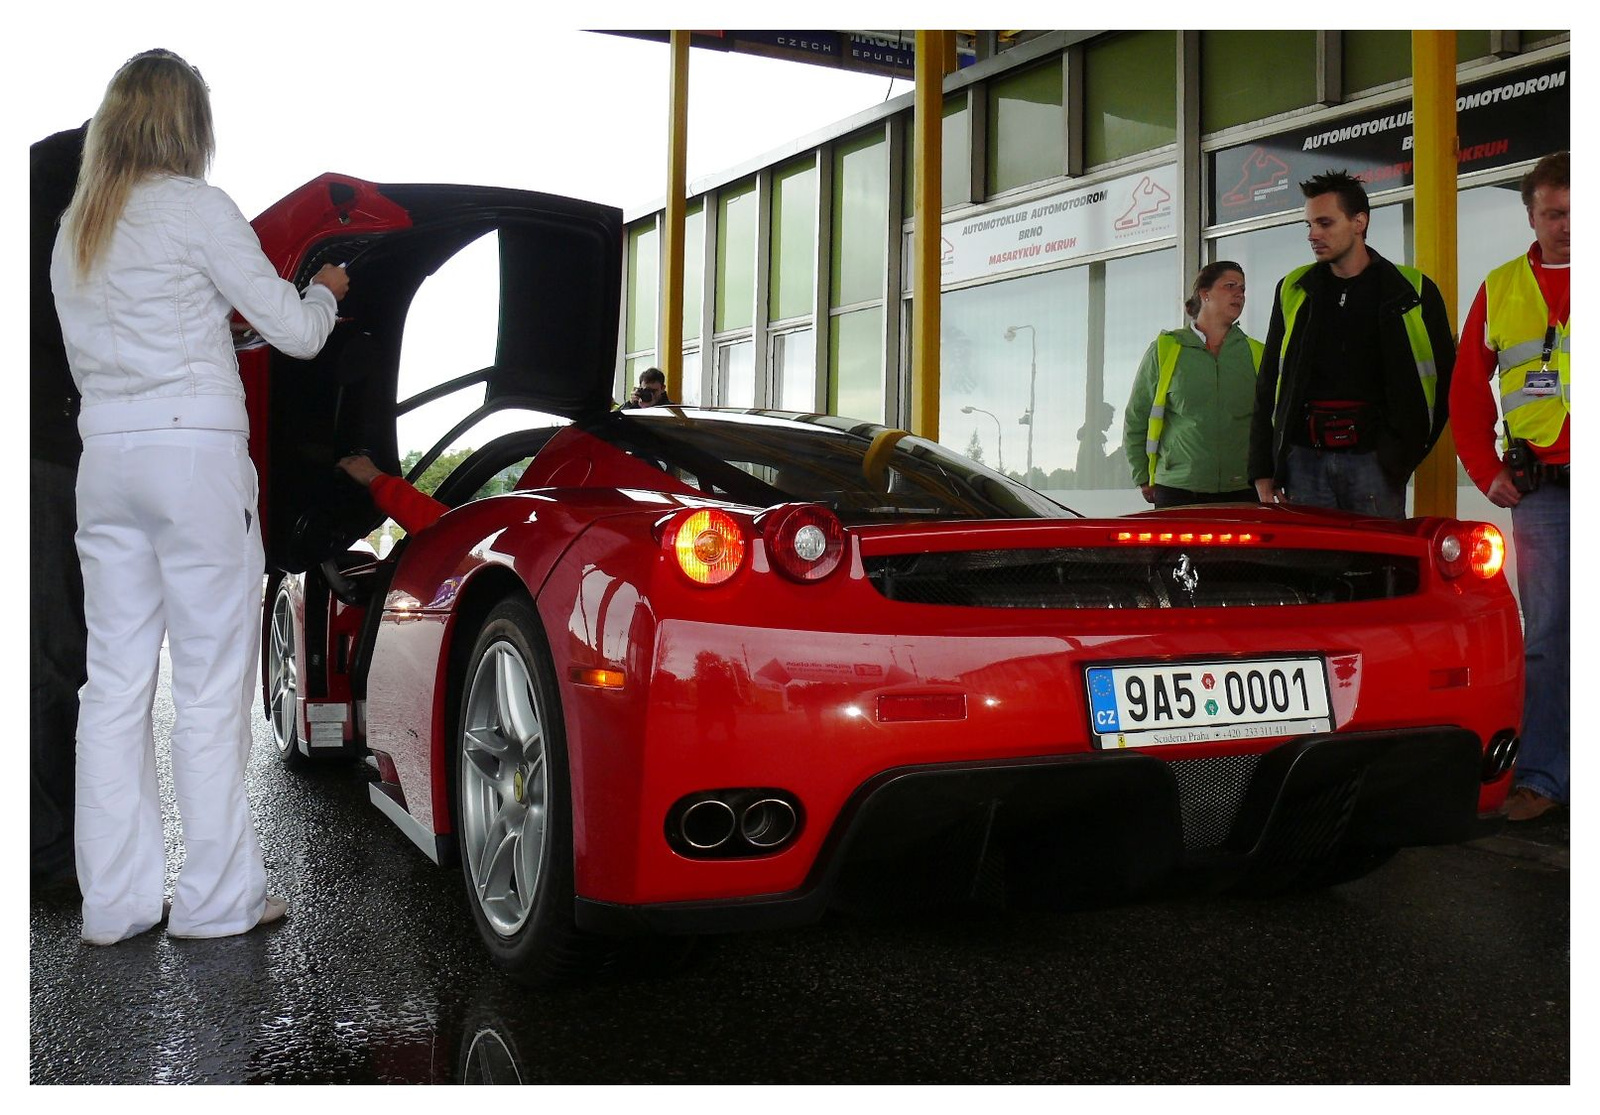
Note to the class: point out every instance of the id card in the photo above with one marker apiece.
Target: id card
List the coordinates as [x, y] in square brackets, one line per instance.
[1541, 383]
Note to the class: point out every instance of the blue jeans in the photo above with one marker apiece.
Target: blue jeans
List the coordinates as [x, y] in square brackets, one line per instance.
[56, 647]
[1541, 531]
[1345, 481]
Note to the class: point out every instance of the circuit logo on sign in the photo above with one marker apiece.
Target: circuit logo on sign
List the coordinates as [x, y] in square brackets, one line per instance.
[1148, 199]
[1261, 173]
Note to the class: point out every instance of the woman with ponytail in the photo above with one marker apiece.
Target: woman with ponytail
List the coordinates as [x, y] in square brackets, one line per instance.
[1186, 429]
[148, 267]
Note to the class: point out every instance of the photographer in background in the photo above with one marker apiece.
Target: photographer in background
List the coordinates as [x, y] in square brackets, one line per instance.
[651, 392]
[1516, 344]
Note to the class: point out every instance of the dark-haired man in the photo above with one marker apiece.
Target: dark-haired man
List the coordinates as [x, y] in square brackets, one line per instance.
[651, 392]
[1519, 331]
[1355, 377]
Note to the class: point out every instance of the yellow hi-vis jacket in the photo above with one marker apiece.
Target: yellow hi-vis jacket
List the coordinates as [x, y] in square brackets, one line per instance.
[1294, 295]
[1516, 318]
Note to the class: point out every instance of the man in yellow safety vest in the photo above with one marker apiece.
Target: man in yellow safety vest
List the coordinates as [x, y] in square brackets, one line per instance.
[1516, 344]
[1355, 377]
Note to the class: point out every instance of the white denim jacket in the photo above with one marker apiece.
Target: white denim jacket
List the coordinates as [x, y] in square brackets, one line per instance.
[147, 332]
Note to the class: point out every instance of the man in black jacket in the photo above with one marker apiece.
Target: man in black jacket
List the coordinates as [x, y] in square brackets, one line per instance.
[56, 644]
[1355, 377]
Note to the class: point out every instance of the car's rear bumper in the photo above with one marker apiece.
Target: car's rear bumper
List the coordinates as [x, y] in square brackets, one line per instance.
[1106, 824]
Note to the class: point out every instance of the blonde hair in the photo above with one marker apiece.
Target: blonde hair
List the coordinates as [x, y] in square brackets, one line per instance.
[155, 119]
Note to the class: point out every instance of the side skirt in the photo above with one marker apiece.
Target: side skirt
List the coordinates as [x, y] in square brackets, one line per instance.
[435, 847]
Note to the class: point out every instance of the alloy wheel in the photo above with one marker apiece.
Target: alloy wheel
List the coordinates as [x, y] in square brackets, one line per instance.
[284, 682]
[505, 788]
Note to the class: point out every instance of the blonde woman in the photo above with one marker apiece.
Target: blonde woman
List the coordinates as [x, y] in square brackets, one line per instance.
[147, 269]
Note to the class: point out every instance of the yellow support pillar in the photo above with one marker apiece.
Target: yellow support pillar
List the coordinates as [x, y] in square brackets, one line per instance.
[1435, 152]
[936, 56]
[670, 327]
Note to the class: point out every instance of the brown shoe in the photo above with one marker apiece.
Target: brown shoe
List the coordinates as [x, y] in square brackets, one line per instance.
[1523, 804]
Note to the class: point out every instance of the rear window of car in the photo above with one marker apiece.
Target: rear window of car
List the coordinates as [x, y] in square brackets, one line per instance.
[865, 473]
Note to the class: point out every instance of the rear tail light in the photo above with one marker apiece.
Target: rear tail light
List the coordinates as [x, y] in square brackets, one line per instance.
[1478, 547]
[707, 545]
[804, 542]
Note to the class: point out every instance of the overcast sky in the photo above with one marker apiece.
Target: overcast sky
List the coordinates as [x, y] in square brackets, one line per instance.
[390, 94]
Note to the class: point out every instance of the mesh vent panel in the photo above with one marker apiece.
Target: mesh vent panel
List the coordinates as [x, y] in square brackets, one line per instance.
[1209, 793]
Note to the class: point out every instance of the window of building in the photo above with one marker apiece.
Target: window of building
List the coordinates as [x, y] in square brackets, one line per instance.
[694, 260]
[860, 219]
[1250, 75]
[644, 296]
[736, 373]
[794, 370]
[736, 258]
[1027, 133]
[1375, 58]
[855, 342]
[1121, 116]
[955, 150]
[1011, 360]
[793, 268]
[859, 256]
[691, 394]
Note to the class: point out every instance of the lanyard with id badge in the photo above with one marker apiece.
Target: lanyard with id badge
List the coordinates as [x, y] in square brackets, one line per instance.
[1546, 381]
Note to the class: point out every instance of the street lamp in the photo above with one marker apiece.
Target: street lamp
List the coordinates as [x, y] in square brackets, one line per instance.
[999, 436]
[1033, 380]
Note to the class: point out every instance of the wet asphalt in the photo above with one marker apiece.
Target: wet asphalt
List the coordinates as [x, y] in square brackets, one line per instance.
[1447, 966]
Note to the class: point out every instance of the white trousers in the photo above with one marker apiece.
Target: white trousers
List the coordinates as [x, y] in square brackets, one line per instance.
[169, 542]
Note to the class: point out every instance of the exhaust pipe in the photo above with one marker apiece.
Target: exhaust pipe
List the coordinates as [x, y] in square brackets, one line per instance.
[707, 824]
[767, 823]
[1501, 754]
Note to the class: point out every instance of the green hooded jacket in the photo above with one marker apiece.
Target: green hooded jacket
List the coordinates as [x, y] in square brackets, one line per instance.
[1205, 435]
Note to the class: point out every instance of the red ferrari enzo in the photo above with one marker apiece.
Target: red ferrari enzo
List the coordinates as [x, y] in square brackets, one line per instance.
[702, 670]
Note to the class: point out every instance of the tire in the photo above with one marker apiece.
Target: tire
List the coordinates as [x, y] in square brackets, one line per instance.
[283, 682]
[513, 799]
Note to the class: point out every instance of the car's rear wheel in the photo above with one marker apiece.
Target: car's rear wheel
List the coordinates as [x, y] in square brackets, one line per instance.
[514, 805]
[283, 681]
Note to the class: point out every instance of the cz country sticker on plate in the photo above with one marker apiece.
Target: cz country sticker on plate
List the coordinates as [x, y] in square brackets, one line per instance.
[1201, 702]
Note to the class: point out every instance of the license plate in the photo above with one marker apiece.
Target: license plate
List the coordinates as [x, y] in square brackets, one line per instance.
[1201, 702]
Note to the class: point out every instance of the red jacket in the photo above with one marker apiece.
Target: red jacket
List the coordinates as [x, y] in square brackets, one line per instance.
[1474, 411]
[413, 510]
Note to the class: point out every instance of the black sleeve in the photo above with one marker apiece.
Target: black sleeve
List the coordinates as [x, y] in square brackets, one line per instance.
[1262, 463]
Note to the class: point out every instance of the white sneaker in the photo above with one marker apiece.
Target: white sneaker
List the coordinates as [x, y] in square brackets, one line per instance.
[275, 910]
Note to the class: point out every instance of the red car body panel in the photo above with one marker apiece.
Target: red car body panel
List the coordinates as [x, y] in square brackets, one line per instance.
[764, 682]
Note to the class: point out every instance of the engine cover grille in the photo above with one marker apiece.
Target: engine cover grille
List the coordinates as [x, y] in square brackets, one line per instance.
[1142, 577]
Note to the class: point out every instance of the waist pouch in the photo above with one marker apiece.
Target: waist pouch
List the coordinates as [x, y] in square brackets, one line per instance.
[1338, 424]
